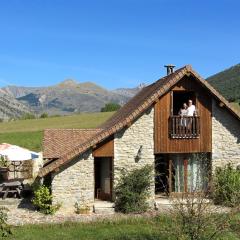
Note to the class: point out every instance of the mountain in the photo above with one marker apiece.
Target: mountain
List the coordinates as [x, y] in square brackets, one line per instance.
[227, 83]
[11, 108]
[68, 97]
[129, 92]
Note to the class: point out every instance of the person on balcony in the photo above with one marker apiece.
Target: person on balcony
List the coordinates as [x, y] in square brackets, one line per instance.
[191, 110]
[183, 113]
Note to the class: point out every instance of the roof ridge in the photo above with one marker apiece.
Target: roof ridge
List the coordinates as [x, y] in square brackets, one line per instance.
[132, 110]
[106, 132]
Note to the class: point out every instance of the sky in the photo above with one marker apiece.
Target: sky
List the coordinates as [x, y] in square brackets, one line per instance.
[114, 43]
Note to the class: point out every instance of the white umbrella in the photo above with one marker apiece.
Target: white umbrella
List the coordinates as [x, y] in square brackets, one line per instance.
[16, 153]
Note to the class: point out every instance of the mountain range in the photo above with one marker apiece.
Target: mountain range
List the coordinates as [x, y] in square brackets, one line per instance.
[70, 96]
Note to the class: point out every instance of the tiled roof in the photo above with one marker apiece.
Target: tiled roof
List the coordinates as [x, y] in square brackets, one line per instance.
[131, 111]
[58, 141]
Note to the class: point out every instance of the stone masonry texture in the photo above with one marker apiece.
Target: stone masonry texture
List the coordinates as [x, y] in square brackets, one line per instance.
[225, 137]
[75, 182]
[134, 146]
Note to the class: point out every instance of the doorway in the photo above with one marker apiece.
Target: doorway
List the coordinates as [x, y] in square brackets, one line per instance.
[180, 97]
[181, 173]
[189, 172]
[161, 174]
[103, 178]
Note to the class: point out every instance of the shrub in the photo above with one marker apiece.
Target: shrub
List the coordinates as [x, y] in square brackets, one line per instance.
[44, 115]
[5, 228]
[43, 201]
[227, 186]
[194, 217]
[133, 190]
[110, 107]
[28, 116]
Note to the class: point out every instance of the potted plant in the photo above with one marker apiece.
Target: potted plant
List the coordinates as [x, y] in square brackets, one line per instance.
[82, 209]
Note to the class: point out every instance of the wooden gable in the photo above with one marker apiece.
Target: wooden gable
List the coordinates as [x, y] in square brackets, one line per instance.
[105, 148]
[163, 111]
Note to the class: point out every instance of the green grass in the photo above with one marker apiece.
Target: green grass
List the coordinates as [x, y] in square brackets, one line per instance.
[131, 228]
[236, 105]
[29, 140]
[29, 133]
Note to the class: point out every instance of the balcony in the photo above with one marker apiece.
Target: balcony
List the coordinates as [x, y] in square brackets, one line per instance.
[184, 127]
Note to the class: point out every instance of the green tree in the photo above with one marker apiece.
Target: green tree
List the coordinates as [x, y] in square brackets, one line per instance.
[110, 107]
[28, 116]
[44, 115]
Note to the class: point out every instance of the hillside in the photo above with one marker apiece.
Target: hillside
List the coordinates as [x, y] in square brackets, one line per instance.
[11, 108]
[28, 133]
[227, 83]
[68, 97]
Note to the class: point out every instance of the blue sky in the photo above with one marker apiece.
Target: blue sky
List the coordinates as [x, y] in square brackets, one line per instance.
[115, 43]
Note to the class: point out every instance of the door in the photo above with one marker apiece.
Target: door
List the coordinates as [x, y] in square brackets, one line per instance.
[189, 172]
[103, 178]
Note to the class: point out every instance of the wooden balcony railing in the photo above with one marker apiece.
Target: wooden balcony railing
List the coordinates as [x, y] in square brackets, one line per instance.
[184, 127]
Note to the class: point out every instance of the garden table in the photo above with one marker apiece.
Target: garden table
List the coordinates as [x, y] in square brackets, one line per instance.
[14, 187]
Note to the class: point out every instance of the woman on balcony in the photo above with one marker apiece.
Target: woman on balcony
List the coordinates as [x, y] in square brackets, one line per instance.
[183, 112]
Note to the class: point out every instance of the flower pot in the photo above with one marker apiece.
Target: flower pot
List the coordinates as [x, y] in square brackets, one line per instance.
[83, 211]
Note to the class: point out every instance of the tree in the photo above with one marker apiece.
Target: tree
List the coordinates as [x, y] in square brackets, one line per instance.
[44, 115]
[110, 107]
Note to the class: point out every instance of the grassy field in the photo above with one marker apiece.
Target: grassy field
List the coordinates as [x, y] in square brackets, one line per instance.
[28, 133]
[236, 105]
[132, 228]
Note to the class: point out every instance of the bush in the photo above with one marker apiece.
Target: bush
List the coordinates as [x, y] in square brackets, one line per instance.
[5, 229]
[110, 107]
[43, 201]
[133, 190]
[44, 115]
[28, 116]
[227, 186]
[194, 217]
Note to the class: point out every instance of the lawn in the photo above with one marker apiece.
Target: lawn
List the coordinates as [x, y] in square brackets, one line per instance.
[131, 228]
[28, 133]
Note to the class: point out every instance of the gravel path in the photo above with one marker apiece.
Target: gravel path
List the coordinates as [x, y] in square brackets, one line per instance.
[22, 212]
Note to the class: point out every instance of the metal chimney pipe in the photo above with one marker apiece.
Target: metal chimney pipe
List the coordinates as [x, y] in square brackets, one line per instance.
[170, 68]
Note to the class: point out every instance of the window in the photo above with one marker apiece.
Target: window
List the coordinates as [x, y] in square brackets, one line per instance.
[189, 172]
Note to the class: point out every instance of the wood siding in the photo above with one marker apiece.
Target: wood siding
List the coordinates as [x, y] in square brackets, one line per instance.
[163, 142]
[104, 149]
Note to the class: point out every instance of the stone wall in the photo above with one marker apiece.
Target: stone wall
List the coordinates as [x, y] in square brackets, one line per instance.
[74, 182]
[225, 137]
[134, 146]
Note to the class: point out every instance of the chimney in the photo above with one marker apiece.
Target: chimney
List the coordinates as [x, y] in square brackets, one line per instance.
[170, 68]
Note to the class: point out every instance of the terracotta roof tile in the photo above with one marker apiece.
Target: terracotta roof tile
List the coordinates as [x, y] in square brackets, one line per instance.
[56, 142]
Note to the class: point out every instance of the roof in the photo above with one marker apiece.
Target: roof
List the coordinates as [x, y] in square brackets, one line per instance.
[58, 141]
[131, 111]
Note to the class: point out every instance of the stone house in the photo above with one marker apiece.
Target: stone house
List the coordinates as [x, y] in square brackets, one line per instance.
[86, 163]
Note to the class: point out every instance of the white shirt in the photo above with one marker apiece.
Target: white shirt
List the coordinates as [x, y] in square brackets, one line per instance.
[191, 110]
